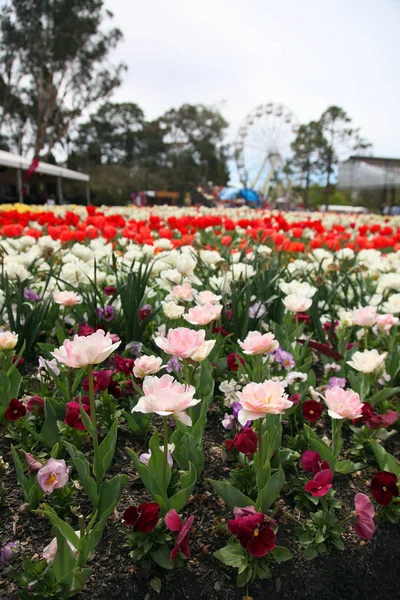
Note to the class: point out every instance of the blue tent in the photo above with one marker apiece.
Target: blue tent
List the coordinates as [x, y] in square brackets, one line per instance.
[228, 193]
[250, 195]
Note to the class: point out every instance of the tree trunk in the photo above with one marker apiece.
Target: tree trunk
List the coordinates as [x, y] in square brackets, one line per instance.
[328, 182]
[306, 189]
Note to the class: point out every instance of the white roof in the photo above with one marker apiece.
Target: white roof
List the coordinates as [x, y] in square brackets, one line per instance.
[362, 175]
[20, 162]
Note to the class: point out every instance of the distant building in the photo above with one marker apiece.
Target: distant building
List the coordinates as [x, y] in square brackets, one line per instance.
[374, 181]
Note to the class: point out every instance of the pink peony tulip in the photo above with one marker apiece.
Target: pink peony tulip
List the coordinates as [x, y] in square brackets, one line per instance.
[365, 526]
[67, 298]
[203, 314]
[343, 404]
[365, 317]
[181, 342]
[182, 292]
[8, 340]
[85, 350]
[258, 343]
[53, 475]
[166, 397]
[207, 297]
[296, 304]
[386, 322]
[146, 365]
[260, 399]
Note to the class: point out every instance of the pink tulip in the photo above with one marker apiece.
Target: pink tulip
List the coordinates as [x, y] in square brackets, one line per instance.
[365, 526]
[181, 342]
[386, 322]
[182, 292]
[166, 397]
[8, 340]
[85, 350]
[207, 297]
[365, 317]
[203, 314]
[146, 365]
[49, 553]
[260, 399]
[67, 298]
[33, 464]
[258, 343]
[53, 475]
[343, 404]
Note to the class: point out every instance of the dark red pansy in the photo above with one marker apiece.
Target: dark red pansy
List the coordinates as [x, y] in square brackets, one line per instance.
[73, 416]
[145, 311]
[109, 290]
[36, 404]
[312, 410]
[246, 442]
[142, 518]
[124, 365]
[232, 361]
[101, 380]
[254, 533]
[15, 410]
[312, 462]
[84, 329]
[384, 487]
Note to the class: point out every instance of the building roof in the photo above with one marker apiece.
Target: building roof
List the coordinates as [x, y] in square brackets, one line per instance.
[20, 162]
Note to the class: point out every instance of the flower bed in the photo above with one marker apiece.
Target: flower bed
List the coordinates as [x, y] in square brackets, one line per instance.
[201, 394]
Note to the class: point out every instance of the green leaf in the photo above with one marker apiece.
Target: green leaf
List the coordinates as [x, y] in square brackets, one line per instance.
[63, 527]
[82, 466]
[86, 420]
[282, 554]
[49, 432]
[344, 467]
[267, 496]
[19, 469]
[244, 577]
[143, 471]
[155, 584]
[138, 423]
[161, 557]
[233, 555]
[64, 561]
[110, 493]
[386, 461]
[178, 500]
[319, 446]
[106, 451]
[187, 449]
[384, 394]
[231, 495]
[35, 495]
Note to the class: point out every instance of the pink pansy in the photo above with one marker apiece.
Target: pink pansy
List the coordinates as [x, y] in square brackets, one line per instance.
[227, 421]
[207, 297]
[202, 314]
[260, 399]
[244, 512]
[365, 526]
[146, 365]
[182, 292]
[343, 404]
[320, 484]
[365, 317]
[258, 343]
[175, 523]
[85, 350]
[386, 322]
[53, 475]
[166, 397]
[67, 298]
[181, 342]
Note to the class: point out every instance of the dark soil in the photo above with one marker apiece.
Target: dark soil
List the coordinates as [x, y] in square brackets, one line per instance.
[364, 571]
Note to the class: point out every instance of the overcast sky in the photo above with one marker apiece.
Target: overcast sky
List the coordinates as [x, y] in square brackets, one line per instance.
[236, 54]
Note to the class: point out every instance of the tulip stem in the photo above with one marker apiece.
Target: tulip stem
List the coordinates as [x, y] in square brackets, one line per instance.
[93, 417]
[165, 463]
[260, 450]
[336, 437]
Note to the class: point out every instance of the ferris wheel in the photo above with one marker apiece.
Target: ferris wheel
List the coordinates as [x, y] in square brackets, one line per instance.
[263, 144]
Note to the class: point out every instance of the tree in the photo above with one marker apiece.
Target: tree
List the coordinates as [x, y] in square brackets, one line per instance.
[53, 57]
[339, 138]
[306, 148]
[193, 135]
[113, 135]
